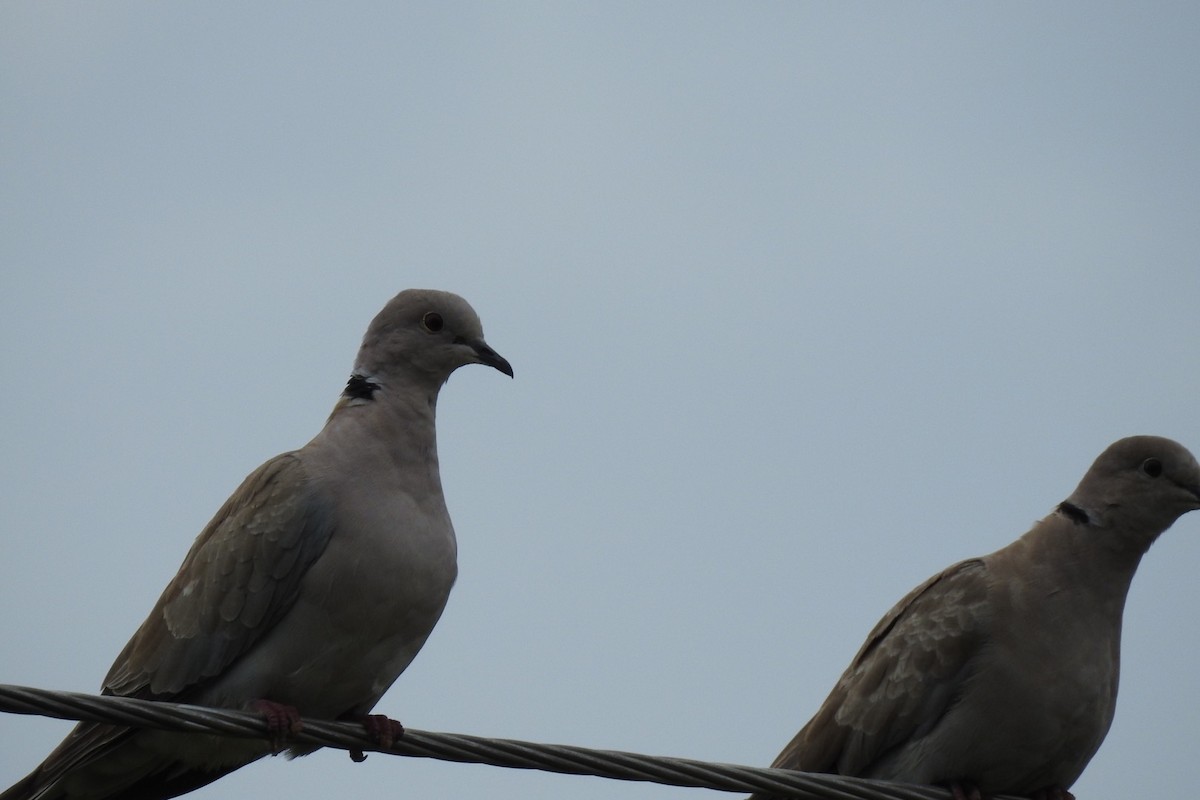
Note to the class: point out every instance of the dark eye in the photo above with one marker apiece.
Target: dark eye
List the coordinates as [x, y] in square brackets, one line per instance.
[432, 322]
[1152, 467]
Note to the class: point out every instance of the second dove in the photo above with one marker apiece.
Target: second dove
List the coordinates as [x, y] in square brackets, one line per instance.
[999, 674]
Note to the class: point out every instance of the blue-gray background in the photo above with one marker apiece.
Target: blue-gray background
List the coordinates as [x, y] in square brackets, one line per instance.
[805, 302]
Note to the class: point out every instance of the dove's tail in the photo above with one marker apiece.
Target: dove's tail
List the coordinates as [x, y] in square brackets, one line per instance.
[23, 789]
[172, 781]
[108, 762]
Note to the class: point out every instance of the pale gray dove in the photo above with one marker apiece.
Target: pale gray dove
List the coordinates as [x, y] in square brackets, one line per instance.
[999, 674]
[311, 589]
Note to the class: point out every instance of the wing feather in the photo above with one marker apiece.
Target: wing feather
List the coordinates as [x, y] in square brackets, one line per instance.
[241, 576]
[905, 676]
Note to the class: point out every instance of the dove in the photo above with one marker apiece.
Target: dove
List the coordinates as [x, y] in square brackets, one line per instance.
[312, 588]
[999, 674]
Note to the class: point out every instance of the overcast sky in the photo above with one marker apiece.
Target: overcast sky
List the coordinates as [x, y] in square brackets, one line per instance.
[805, 302]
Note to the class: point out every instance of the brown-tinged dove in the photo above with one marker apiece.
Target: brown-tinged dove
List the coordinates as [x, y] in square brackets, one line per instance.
[999, 674]
[312, 588]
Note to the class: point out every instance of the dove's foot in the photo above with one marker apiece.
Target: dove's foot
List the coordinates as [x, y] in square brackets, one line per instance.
[282, 722]
[1053, 793]
[383, 730]
[965, 791]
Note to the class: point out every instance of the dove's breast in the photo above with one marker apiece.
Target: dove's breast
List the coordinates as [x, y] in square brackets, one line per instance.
[364, 609]
[1038, 702]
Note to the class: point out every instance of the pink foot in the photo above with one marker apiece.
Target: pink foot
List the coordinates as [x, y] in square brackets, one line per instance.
[282, 722]
[383, 730]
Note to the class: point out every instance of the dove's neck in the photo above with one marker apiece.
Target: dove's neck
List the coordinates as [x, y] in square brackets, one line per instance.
[1065, 555]
[377, 425]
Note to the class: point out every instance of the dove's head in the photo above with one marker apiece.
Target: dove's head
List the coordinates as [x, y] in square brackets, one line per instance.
[423, 335]
[1139, 485]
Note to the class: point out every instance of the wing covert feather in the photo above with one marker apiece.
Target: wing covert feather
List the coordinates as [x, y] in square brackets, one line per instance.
[241, 575]
[904, 677]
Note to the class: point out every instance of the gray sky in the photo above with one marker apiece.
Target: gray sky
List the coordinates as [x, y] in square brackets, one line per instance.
[805, 302]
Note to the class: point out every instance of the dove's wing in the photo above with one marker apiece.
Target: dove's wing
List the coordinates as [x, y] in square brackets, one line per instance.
[240, 577]
[906, 675]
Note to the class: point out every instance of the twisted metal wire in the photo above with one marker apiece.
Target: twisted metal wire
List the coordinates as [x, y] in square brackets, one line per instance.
[511, 753]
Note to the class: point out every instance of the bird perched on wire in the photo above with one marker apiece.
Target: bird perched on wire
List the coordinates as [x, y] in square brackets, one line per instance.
[999, 674]
[312, 588]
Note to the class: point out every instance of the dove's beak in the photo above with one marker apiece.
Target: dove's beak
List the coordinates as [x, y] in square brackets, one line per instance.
[1195, 490]
[490, 357]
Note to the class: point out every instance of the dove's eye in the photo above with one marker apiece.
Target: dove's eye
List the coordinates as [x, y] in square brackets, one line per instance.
[432, 322]
[1152, 467]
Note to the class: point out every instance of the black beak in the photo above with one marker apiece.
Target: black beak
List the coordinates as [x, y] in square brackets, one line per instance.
[491, 358]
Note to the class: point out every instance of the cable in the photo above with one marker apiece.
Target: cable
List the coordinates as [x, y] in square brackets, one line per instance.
[511, 753]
